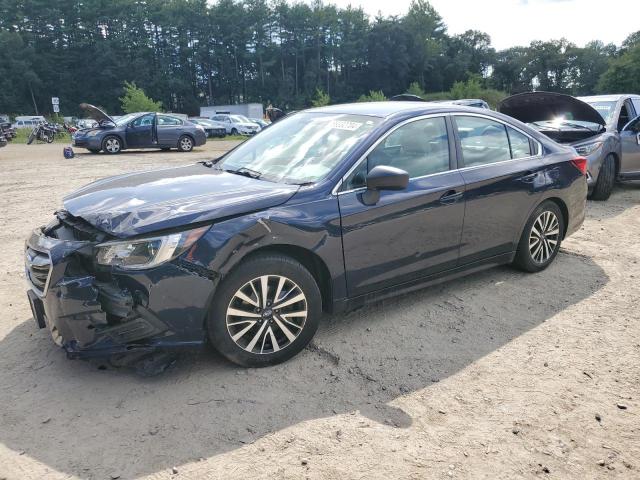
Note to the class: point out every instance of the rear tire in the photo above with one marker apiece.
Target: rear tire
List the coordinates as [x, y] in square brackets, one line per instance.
[234, 131]
[606, 180]
[185, 143]
[541, 238]
[272, 331]
[112, 145]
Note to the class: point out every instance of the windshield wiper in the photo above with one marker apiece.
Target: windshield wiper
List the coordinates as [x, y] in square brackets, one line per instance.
[246, 172]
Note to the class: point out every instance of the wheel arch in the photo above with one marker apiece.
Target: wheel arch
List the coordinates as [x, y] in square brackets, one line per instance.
[563, 209]
[309, 259]
[123, 142]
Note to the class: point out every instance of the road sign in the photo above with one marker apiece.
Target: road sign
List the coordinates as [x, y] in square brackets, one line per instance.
[55, 101]
[56, 109]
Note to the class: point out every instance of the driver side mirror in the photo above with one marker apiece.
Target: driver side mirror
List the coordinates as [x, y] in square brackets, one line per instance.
[383, 177]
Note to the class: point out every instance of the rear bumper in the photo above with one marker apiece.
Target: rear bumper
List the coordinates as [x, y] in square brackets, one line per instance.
[97, 314]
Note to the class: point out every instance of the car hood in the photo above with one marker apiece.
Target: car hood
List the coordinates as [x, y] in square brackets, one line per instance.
[539, 106]
[95, 113]
[139, 203]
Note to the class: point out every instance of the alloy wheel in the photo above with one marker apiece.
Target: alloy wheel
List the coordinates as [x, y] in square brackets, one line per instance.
[266, 314]
[112, 145]
[544, 237]
[186, 144]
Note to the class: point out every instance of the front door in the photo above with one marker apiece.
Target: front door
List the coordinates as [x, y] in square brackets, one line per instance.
[503, 176]
[141, 132]
[630, 138]
[410, 233]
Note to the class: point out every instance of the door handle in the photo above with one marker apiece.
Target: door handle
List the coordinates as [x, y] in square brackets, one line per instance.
[451, 196]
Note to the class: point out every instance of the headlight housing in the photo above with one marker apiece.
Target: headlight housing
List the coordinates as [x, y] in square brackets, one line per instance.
[143, 253]
[588, 149]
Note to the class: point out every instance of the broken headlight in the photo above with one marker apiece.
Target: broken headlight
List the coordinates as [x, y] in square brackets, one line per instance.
[147, 252]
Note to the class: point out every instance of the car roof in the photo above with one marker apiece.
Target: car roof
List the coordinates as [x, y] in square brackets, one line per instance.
[389, 108]
[607, 98]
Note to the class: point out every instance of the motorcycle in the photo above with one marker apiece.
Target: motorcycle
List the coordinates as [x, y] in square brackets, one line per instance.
[42, 133]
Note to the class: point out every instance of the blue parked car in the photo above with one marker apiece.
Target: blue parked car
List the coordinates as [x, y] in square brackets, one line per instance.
[324, 211]
[138, 130]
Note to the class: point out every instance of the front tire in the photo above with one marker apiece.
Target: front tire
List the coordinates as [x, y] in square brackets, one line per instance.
[112, 145]
[185, 143]
[541, 238]
[606, 180]
[265, 312]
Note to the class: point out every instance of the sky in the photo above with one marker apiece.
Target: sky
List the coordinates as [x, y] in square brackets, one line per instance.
[518, 22]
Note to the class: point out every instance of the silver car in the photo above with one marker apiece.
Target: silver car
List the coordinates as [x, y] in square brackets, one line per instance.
[237, 124]
[603, 129]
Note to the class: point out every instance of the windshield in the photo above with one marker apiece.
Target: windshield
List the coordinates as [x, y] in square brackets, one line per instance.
[301, 148]
[122, 121]
[605, 109]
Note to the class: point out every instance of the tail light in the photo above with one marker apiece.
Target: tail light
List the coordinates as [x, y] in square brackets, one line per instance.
[581, 164]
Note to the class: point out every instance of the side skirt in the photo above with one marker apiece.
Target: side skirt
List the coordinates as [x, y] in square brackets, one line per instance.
[348, 304]
[629, 176]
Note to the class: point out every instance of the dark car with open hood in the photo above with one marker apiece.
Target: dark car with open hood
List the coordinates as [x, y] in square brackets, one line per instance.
[323, 211]
[604, 129]
[138, 130]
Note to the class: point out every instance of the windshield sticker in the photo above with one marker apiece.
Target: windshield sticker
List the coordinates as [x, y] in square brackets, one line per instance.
[346, 125]
[604, 108]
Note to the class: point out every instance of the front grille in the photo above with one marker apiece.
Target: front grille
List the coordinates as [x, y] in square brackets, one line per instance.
[38, 267]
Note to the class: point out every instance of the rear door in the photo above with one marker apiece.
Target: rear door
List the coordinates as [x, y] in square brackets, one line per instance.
[630, 138]
[410, 233]
[169, 130]
[141, 132]
[502, 172]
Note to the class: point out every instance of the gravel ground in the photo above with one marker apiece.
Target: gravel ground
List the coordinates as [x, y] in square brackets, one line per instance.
[498, 375]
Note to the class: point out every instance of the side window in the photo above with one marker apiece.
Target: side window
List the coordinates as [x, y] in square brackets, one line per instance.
[625, 116]
[483, 141]
[164, 121]
[144, 120]
[636, 104]
[419, 148]
[635, 126]
[520, 145]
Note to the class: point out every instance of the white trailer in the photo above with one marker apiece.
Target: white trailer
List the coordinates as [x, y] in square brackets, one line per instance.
[249, 110]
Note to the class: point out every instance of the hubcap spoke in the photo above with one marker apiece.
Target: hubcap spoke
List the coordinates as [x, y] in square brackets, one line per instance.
[266, 314]
[544, 236]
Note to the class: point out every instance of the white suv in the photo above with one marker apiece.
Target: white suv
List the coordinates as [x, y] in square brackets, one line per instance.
[237, 124]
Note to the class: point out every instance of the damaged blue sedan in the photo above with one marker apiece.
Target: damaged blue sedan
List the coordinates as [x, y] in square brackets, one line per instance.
[322, 212]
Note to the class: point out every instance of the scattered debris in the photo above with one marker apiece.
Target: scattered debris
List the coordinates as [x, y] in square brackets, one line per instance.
[621, 406]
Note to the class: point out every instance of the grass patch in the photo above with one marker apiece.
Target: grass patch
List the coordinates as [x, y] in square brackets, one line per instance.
[228, 138]
[23, 134]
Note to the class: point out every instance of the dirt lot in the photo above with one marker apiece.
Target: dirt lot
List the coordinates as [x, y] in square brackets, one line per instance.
[499, 375]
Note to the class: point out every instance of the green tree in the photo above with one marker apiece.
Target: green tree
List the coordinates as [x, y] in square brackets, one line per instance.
[624, 73]
[321, 98]
[135, 100]
[373, 96]
[416, 89]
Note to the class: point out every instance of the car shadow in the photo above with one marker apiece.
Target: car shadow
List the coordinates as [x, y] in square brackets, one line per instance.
[84, 421]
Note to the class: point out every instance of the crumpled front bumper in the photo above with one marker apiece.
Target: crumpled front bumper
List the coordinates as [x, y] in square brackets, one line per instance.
[101, 313]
